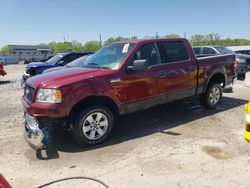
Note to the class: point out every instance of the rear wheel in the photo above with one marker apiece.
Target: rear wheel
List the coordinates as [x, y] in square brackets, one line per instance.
[211, 98]
[93, 125]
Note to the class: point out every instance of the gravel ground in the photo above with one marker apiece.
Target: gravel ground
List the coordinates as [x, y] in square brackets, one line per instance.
[174, 145]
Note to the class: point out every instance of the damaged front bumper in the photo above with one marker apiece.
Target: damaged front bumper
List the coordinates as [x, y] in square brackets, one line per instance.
[32, 133]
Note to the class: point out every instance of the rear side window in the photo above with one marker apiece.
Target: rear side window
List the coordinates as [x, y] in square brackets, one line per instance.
[173, 52]
[197, 50]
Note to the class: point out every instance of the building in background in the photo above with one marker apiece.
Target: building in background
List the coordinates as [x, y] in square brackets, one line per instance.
[28, 53]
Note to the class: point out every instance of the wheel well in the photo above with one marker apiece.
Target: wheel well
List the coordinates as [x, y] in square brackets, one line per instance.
[217, 78]
[94, 100]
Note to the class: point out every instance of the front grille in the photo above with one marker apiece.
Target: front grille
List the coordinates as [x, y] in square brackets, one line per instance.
[28, 92]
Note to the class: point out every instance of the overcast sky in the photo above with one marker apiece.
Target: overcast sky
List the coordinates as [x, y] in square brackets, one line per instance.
[43, 21]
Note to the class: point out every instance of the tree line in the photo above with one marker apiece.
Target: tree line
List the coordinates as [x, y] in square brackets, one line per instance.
[195, 40]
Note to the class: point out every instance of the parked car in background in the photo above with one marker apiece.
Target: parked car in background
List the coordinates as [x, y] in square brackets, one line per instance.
[2, 72]
[47, 58]
[58, 60]
[243, 61]
[247, 52]
[247, 122]
[2, 60]
[76, 63]
[120, 78]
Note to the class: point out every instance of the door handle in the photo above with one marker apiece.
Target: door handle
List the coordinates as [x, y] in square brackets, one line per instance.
[162, 74]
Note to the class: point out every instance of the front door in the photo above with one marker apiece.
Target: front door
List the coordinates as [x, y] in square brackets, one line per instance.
[140, 88]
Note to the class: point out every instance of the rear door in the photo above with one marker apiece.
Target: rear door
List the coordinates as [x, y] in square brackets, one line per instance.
[181, 70]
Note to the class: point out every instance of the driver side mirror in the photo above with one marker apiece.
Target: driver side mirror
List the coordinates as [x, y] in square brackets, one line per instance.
[138, 65]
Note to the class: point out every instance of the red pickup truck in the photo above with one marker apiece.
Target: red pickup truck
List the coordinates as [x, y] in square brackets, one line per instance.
[121, 78]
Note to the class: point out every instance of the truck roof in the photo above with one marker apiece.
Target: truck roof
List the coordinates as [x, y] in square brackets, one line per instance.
[151, 40]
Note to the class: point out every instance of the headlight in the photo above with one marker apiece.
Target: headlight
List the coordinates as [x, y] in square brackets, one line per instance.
[241, 60]
[49, 96]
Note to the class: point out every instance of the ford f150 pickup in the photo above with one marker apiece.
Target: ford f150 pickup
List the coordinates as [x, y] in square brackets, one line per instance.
[121, 78]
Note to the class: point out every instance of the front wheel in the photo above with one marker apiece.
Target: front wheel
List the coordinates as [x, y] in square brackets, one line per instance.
[93, 125]
[211, 98]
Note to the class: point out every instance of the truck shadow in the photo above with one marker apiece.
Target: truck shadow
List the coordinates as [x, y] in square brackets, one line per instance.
[5, 82]
[157, 119]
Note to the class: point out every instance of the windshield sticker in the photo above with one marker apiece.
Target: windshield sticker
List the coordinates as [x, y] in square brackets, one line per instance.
[125, 48]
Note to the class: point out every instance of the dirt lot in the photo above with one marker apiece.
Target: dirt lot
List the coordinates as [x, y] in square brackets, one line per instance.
[174, 145]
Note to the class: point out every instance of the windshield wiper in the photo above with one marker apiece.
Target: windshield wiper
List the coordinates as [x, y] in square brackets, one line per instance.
[95, 65]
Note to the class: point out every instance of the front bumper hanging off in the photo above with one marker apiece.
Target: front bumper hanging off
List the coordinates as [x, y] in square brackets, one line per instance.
[36, 136]
[32, 133]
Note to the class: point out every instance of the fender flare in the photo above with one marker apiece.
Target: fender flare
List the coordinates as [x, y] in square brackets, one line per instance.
[220, 71]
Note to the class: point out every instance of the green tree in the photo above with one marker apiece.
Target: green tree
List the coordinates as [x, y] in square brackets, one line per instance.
[77, 46]
[92, 46]
[6, 50]
[197, 40]
[172, 36]
[212, 38]
[113, 40]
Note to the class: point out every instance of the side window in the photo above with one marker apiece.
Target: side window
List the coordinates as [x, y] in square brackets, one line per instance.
[68, 58]
[197, 50]
[147, 52]
[173, 51]
[209, 51]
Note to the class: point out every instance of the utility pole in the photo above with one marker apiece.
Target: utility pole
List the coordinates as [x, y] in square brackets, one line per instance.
[100, 38]
[185, 34]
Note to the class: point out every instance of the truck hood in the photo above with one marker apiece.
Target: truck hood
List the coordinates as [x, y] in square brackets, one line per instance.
[39, 64]
[66, 76]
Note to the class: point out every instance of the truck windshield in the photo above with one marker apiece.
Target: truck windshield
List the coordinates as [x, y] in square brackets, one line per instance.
[55, 59]
[109, 57]
[223, 50]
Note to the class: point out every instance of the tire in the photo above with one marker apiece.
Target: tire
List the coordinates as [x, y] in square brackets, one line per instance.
[212, 97]
[93, 125]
